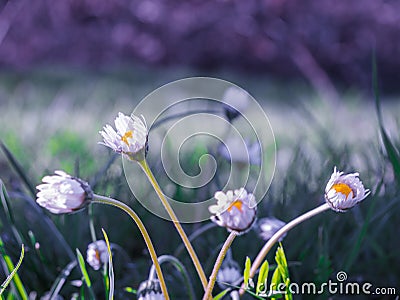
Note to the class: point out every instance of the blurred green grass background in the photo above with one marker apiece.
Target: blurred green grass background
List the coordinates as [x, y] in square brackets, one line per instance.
[50, 120]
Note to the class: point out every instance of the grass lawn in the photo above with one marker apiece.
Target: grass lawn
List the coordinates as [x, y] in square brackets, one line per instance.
[50, 120]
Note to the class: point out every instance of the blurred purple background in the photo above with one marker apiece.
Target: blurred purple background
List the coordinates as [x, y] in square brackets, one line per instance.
[321, 40]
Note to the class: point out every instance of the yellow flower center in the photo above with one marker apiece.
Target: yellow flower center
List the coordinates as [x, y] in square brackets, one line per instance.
[127, 135]
[97, 255]
[238, 204]
[342, 188]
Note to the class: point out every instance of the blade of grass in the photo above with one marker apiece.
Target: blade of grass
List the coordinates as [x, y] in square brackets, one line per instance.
[246, 272]
[180, 268]
[110, 267]
[13, 272]
[221, 294]
[18, 168]
[10, 267]
[262, 277]
[392, 152]
[84, 272]
[34, 244]
[60, 280]
[238, 287]
[5, 203]
[49, 223]
[357, 245]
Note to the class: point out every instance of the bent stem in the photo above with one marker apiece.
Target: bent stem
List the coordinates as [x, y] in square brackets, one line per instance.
[218, 263]
[143, 231]
[181, 269]
[145, 167]
[264, 251]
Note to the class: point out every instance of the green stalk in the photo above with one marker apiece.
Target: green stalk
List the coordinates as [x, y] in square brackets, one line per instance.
[275, 238]
[91, 224]
[13, 273]
[145, 234]
[10, 267]
[145, 167]
[110, 285]
[181, 269]
[217, 265]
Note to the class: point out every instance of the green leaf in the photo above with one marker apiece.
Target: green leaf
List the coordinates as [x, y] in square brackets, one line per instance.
[221, 295]
[246, 291]
[82, 266]
[276, 279]
[283, 271]
[282, 262]
[246, 273]
[130, 290]
[262, 278]
[288, 295]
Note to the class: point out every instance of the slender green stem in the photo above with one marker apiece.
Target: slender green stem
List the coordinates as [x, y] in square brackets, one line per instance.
[91, 224]
[145, 234]
[60, 280]
[180, 267]
[110, 286]
[268, 245]
[178, 226]
[13, 272]
[106, 280]
[9, 266]
[217, 265]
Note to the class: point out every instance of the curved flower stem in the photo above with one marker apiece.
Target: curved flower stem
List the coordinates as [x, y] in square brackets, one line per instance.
[218, 263]
[181, 269]
[268, 245]
[145, 167]
[145, 234]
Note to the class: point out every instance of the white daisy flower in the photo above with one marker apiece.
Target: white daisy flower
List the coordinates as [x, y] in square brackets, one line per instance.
[129, 139]
[344, 191]
[150, 290]
[267, 227]
[236, 101]
[240, 151]
[62, 193]
[235, 210]
[97, 254]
